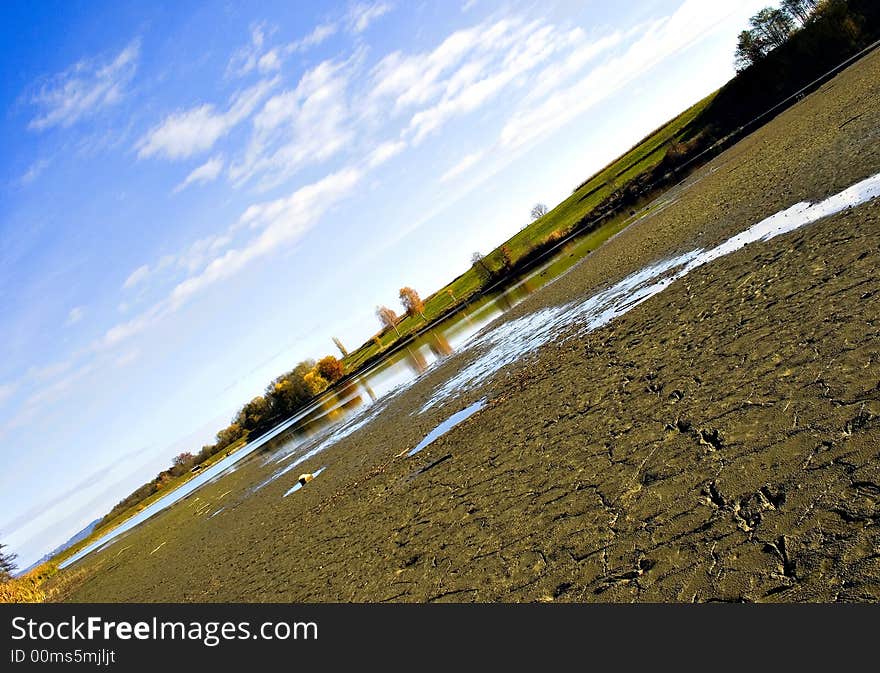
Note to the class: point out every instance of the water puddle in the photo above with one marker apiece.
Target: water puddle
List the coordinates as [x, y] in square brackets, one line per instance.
[447, 425]
[298, 485]
[512, 340]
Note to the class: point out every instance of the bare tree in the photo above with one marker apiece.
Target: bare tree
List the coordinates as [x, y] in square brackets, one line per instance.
[411, 302]
[539, 210]
[387, 318]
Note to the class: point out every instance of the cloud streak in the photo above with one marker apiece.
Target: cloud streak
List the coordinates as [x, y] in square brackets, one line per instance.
[186, 133]
[298, 127]
[136, 277]
[362, 14]
[279, 223]
[84, 89]
[75, 315]
[207, 172]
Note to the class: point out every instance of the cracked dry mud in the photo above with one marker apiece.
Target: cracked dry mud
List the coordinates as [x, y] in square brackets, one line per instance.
[720, 442]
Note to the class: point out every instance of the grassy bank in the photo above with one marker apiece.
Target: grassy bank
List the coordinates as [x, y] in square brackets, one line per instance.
[511, 256]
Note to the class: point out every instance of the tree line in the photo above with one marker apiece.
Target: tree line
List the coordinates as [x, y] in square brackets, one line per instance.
[284, 396]
[771, 28]
[832, 28]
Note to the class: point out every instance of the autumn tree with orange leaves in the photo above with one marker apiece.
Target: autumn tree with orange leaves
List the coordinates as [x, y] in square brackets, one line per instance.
[330, 368]
[412, 303]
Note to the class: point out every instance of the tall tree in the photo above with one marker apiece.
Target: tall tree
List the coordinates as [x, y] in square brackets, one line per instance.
[7, 564]
[749, 49]
[411, 302]
[387, 318]
[773, 25]
[480, 265]
[801, 10]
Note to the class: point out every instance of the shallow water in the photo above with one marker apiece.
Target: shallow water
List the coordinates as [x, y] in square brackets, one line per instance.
[339, 413]
[447, 425]
[514, 339]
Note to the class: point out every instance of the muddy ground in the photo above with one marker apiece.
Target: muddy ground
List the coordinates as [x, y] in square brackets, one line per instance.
[720, 442]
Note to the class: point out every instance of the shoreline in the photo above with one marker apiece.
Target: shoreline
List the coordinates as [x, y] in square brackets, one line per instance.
[570, 484]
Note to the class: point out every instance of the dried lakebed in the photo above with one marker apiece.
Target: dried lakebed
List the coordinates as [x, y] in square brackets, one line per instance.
[718, 441]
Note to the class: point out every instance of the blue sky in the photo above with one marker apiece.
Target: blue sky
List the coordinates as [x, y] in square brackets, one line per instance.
[197, 196]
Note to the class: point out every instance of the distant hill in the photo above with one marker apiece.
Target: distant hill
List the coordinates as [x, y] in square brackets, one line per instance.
[82, 535]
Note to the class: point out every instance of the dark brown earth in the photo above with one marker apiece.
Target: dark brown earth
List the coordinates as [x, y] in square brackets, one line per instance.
[720, 442]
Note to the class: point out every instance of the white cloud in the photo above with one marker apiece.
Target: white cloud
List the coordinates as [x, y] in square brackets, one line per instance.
[127, 357]
[76, 314]
[52, 392]
[583, 53]
[464, 93]
[692, 21]
[361, 15]
[207, 172]
[197, 255]
[384, 152]
[313, 39]
[52, 371]
[183, 134]
[34, 171]
[248, 57]
[137, 276]
[260, 57]
[468, 69]
[297, 127]
[278, 223]
[269, 61]
[460, 167]
[122, 331]
[415, 78]
[83, 89]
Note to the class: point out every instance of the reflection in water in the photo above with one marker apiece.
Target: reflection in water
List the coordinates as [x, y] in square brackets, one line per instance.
[366, 386]
[447, 425]
[439, 345]
[416, 360]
